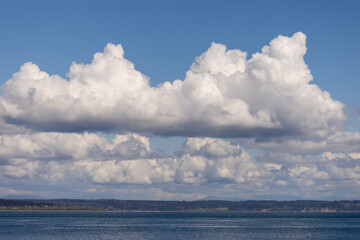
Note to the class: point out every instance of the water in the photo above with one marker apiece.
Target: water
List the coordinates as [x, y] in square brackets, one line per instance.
[115, 225]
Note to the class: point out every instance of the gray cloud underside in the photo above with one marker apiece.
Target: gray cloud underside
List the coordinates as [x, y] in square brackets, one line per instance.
[343, 141]
[222, 95]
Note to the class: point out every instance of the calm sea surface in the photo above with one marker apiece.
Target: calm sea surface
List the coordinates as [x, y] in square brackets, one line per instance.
[115, 225]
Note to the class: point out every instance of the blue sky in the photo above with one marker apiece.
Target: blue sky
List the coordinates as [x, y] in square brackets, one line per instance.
[162, 40]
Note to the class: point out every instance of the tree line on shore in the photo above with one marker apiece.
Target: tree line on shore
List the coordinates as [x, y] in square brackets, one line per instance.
[208, 205]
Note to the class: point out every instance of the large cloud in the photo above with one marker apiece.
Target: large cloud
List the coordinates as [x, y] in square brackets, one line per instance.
[223, 94]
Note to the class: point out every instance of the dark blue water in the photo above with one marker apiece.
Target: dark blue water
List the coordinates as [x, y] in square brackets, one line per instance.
[113, 225]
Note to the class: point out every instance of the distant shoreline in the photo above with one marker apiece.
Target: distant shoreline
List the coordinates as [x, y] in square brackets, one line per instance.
[113, 205]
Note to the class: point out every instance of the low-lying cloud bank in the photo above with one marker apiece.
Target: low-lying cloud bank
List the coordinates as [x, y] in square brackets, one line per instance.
[124, 159]
[223, 95]
[68, 158]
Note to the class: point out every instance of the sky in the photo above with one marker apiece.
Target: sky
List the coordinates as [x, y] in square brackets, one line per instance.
[180, 100]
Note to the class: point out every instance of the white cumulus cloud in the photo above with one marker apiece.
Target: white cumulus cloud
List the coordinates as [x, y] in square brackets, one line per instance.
[223, 94]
